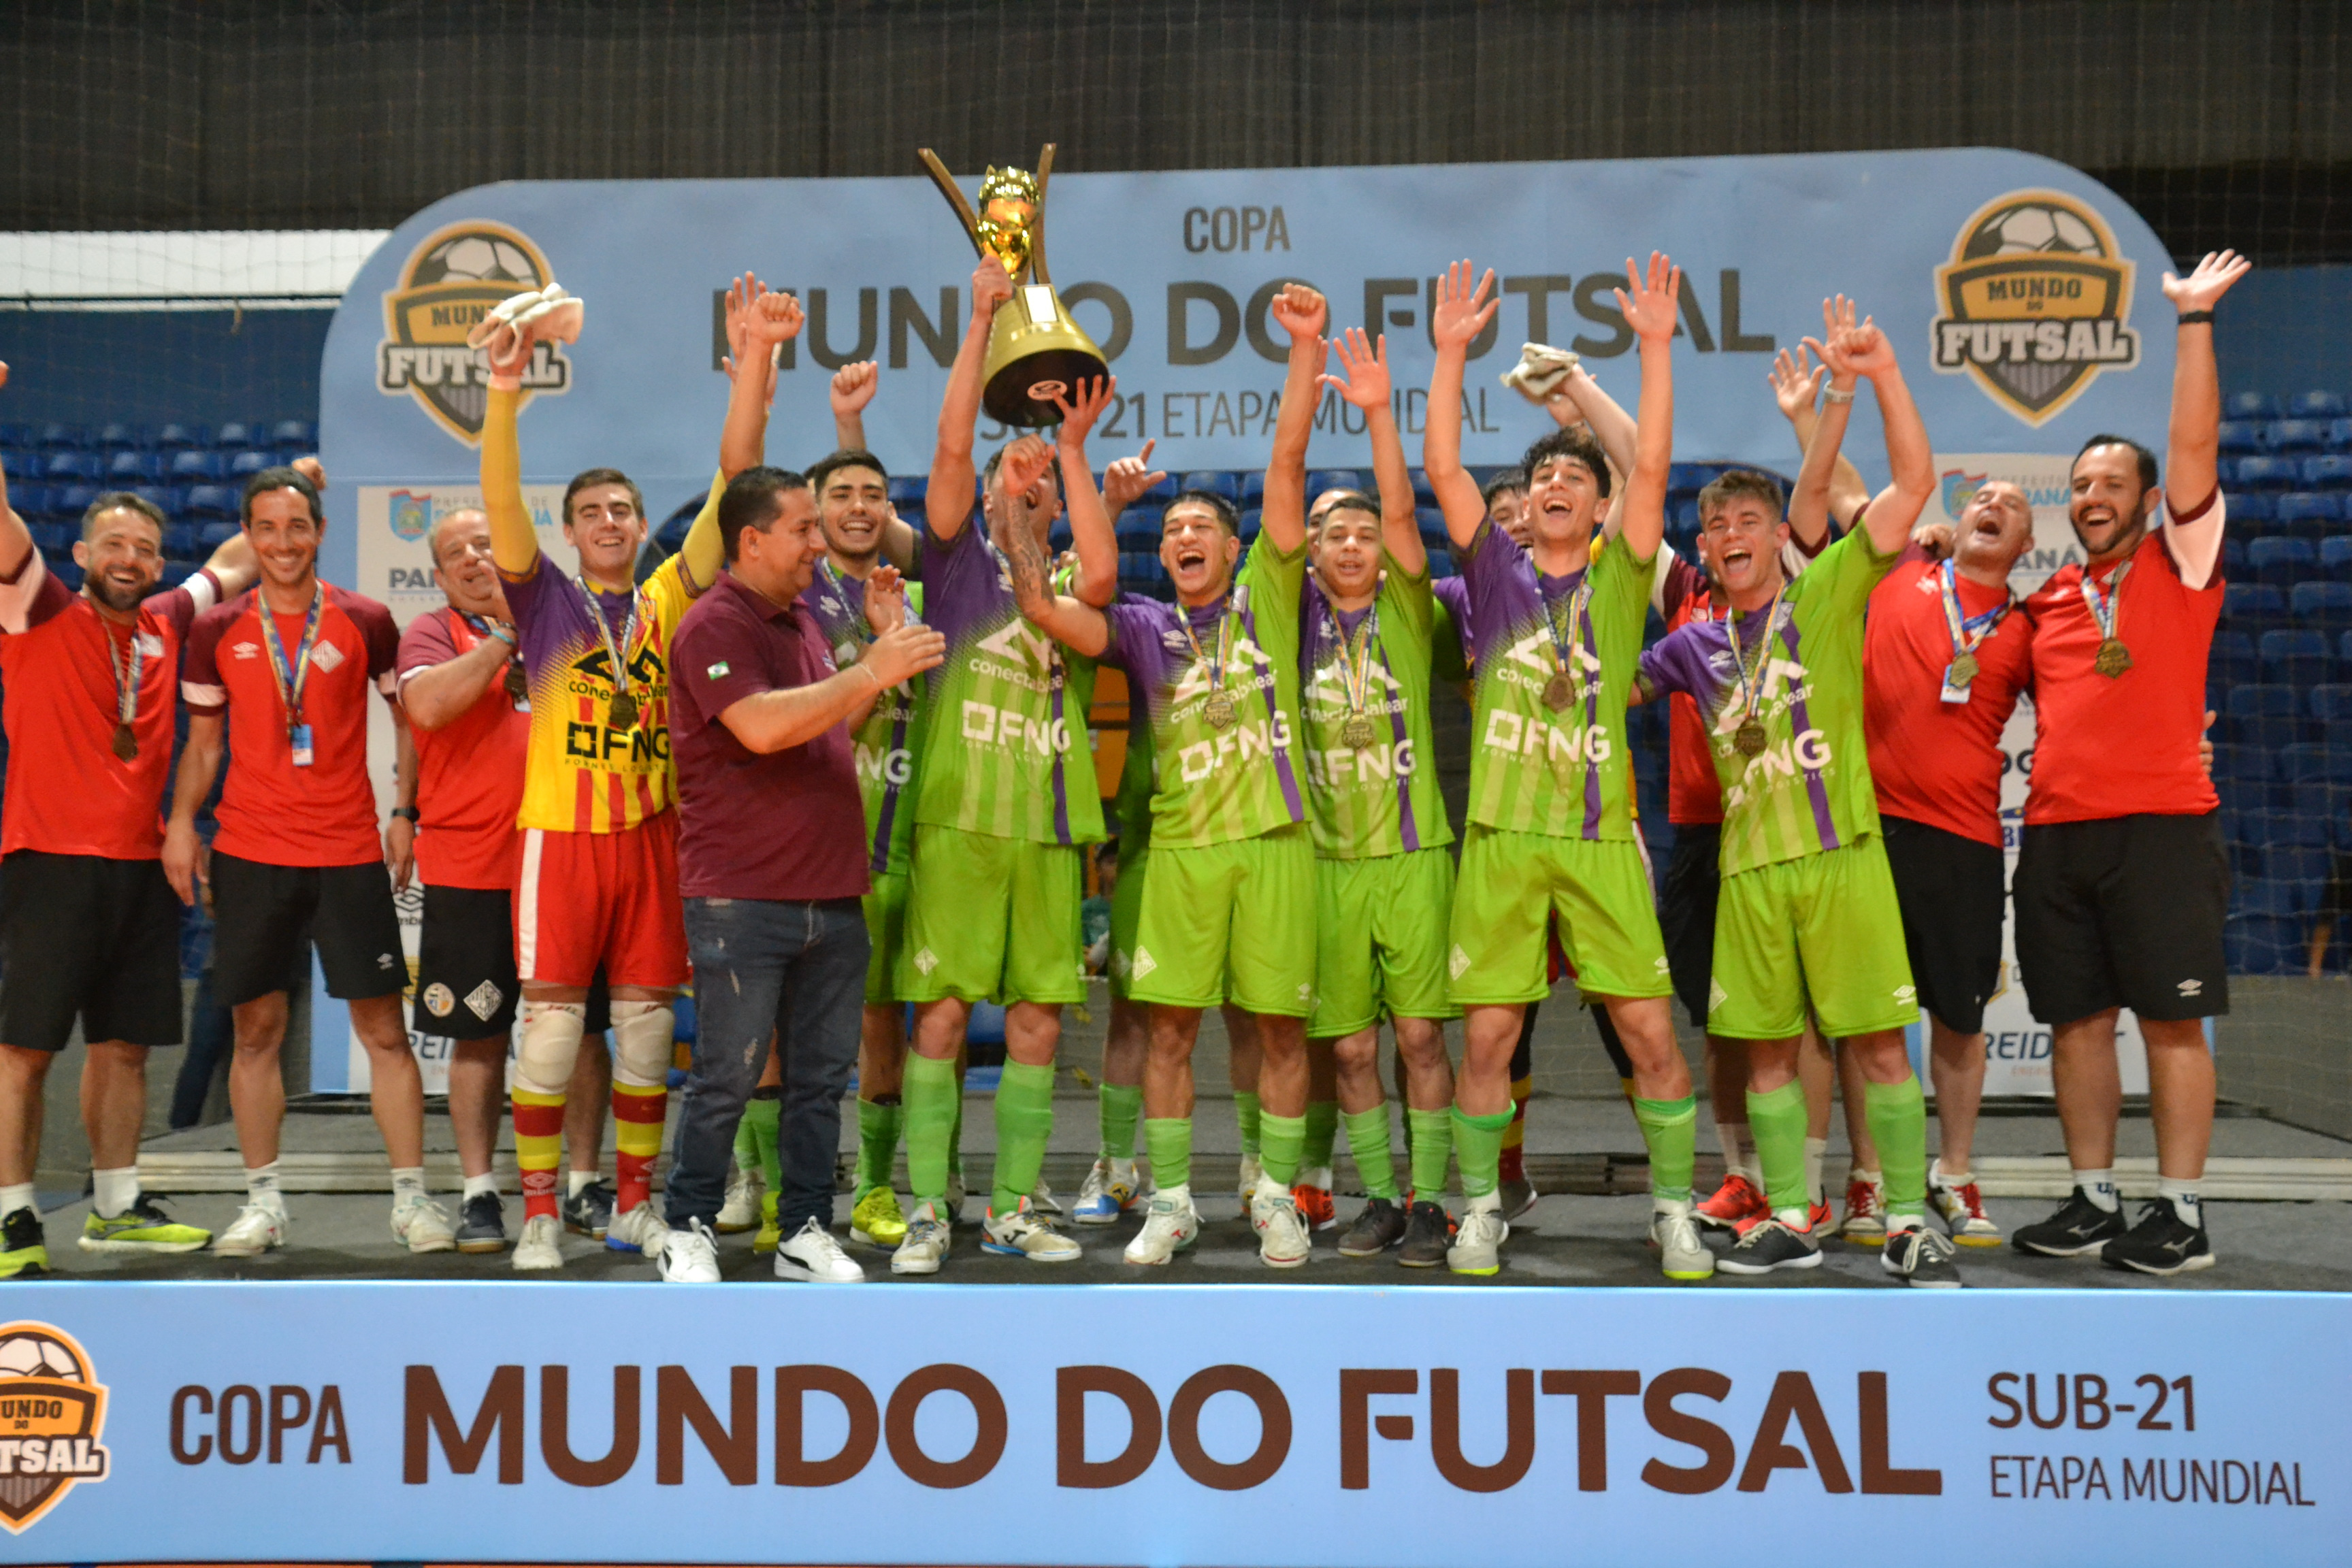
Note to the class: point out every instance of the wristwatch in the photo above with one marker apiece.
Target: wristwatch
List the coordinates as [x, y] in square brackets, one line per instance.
[407, 811]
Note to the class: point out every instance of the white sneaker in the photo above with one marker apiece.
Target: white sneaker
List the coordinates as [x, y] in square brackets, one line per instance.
[1961, 1206]
[1478, 1243]
[540, 1247]
[811, 1253]
[741, 1210]
[1680, 1254]
[1170, 1227]
[690, 1257]
[258, 1228]
[1022, 1234]
[1246, 1183]
[926, 1243]
[1044, 1201]
[418, 1221]
[1283, 1241]
[1108, 1192]
[639, 1230]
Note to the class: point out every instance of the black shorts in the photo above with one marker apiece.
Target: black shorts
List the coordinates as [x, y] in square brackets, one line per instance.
[1686, 914]
[93, 938]
[2125, 911]
[261, 913]
[466, 985]
[1951, 894]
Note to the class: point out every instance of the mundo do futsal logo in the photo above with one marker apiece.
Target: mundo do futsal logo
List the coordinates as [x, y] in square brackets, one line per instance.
[451, 281]
[52, 1412]
[2033, 302]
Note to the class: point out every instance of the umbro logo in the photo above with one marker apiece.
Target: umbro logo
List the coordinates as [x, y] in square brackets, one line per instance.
[2190, 987]
[1174, 641]
[1661, 965]
[385, 961]
[245, 649]
[1905, 993]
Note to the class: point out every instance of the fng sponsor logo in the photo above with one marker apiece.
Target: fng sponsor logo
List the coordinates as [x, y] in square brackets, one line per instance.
[992, 726]
[451, 281]
[1243, 744]
[2034, 304]
[52, 1413]
[1506, 731]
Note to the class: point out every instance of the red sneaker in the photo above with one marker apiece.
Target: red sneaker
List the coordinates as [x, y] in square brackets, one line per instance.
[1735, 1203]
[1314, 1207]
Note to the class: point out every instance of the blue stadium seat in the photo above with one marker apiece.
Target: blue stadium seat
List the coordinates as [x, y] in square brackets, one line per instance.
[2316, 406]
[2331, 701]
[1220, 483]
[181, 543]
[213, 535]
[2295, 435]
[53, 435]
[66, 573]
[2268, 473]
[2234, 661]
[2307, 762]
[192, 466]
[212, 500]
[2336, 557]
[17, 434]
[2241, 437]
[2327, 473]
[2250, 406]
[2339, 434]
[2251, 506]
[2312, 513]
[290, 433]
[69, 464]
[1691, 477]
[239, 433]
[1251, 520]
[1139, 528]
[28, 500]
[2245, 604]
[2294, 658]
[174, 438]
[2264, 715]
[2305, 864]
[69, 502]
[2233, 557]
[132, 466]
[118, 435]
[50, 538]
[1441, 565]
[1058, 537]
[907, 489]
[1323, 479]
[2344, 647]
[2327, 604]
[1254, 488]
[252, 462]
[2283, 562]
[2275, 830]
[1422, 494]
[161, 497]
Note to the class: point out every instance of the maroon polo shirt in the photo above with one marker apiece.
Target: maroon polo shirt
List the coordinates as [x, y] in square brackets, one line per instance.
[786, 827]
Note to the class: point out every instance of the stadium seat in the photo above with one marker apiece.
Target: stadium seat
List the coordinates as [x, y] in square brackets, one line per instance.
[2327, 604]
[2312, 513]
[55, 436]
[2327, 473]
[907, 489]
[1691, 477]
[2276, 830]
[1422, 494]
[2265, 714]
[2282, 561]
[2251, 506]
[292, 433]
[17, 434]
[1254, 488]
[1058, 537]
[1139, 528]
[2336, 557]
[69, 464]
[1251, 520]
[2234, 661]
[181, 543]
[2297, 658]
[252, 462]
[2344, 647]
[133, 467]
[212, 500]
[51, 538]
[1219, 483]
[2308, 762]
[193, 466]
[29, 500]
[2266, 896]
[2304, 866]
[161, 497]
[1431, 521]
[66, 573]
[2233, 558]
[69, 502]
[2295, 435]
[1441, 565]
[2339, 434]
[176, 438]
[2268, 473]
[2241, 437]
[118, 435]
[2250, 406]
[2331, 702]
[213, 535]
[239, 433]
[1323, 479]
[2262, 944]
[2316, 406]
[2246, 604]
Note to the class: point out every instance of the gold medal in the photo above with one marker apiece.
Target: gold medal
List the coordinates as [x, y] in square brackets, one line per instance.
[1558, 692]
[126, 744]
[1749, 737]
[1218, 711]
[1357, 732]
[623, 713]
[1962, 669]
[517, 686]
[2113, 658]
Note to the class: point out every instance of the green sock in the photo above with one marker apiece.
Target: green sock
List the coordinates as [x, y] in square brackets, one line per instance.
[1122, 1108]
[1245, 1112]
[1279, 1137]
[1167, 1140]
[1368, 1141]
[1431, 1132]
[1777, 1122]
[955, 1129]
[747, 1146]
[930, 1101]
[1322, 1132]
[878, 1143]
[1897, 1113]
[1025, 1125]
[762, 1115]
[1670, 1128]
[1478, 1144]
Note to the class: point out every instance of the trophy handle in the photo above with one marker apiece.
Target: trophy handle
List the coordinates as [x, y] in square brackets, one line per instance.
[954, 194]
[1037, 219]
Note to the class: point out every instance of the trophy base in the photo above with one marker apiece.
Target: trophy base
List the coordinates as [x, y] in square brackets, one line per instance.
[1021, 393]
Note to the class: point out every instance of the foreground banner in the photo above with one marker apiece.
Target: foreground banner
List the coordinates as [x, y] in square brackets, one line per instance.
[1169, 1425]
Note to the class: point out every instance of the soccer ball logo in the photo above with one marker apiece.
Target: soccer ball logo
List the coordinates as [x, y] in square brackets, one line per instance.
[36, 1352]
[478, 258]
[2033, 228]
[450, 283]
[52, 1412]
[2033, 302]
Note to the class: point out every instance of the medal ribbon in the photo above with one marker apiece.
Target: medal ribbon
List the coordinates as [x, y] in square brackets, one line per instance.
[2103, 607]
[1578, 623]
[1751, 681]
[1356, 656]
[125, 666]
[292, 672]
[1225, 644]
[604, 626]
[1968, 632]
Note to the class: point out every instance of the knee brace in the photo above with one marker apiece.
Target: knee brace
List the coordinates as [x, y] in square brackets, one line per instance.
[551, 1045]
[642, 1037]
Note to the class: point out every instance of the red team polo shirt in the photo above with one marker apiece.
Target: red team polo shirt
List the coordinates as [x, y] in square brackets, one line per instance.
[271, 811]
[1934, 762]
[470, 771]
[2127, 746]
[68, 793]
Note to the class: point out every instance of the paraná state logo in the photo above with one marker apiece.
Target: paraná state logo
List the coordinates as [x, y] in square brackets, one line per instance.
[2034, 302]
[453, 278]
[52, 1413]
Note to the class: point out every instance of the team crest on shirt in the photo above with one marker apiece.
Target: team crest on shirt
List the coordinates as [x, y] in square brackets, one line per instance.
[484, 1000]
[325, 655]
[2034, 304]
[439, 1000]
[453, 278]
[53, 1411]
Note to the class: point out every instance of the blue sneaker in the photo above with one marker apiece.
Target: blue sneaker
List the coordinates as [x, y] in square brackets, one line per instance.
[1108, 1192]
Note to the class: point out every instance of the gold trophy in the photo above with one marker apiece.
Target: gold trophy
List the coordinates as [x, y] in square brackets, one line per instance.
[1035, 352]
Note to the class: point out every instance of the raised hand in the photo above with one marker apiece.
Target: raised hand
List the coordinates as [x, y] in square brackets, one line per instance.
[1796, 382]
[739, 297]
[1298, 311]
[904, 651]
[1934, 537]
[1127, 480]
[313, 471]
[1024, 464]
[1837, 319]
[1461, 313]
[771, 320]
[990, 286]
[1367, 363]
[886, 600]
[1095, 395]
[854, 386]
[1651, 305]
[2211, 280]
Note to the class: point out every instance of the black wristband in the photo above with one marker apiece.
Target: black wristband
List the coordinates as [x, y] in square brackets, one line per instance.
[2190, 318]
[409, 812]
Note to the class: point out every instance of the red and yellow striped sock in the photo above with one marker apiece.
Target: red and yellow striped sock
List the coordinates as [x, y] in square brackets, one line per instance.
[638, 1113]
[539, 1149]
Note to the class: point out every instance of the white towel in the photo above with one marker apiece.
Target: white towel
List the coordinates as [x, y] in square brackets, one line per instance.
[1540, 371]
[539, 315]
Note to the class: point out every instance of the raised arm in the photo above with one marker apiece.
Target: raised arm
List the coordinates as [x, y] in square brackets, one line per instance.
[439, 694]
[947, 500]
[15, 538]
[1809, 502]
[1650, 306]
[1366, 386]
[1862, 350]
[1458, 317]
[852, 389]
[1579, 397]
[1073, 622]
[760, 319]
[1090, 524]
[2195, 436]
[514, 544]
[1796, 383]
[1300, 311]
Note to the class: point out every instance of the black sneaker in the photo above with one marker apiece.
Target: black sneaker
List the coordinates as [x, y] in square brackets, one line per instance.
[1768, 1244]
[482, 1225]
[1921, 1257]
[1518, 1197]
[2161, 1243]
[2079, 1226]
[589, 1211]
[1428, 1232]
[24, 1247]
[1378, 1228]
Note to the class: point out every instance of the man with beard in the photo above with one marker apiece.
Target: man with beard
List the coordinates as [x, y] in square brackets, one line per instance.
[1558, 627]
[88, 920]
[288, 667]
[2122, 885]
[463, 690]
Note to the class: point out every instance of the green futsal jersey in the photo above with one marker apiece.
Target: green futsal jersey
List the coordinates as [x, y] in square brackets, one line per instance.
[887, 745]
[1807, 787]
[1004, 747]
[1553, 661]
[1371, 777]
[1235, 660]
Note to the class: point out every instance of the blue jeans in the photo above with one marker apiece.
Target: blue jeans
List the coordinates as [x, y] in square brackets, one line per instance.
[797, 971]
